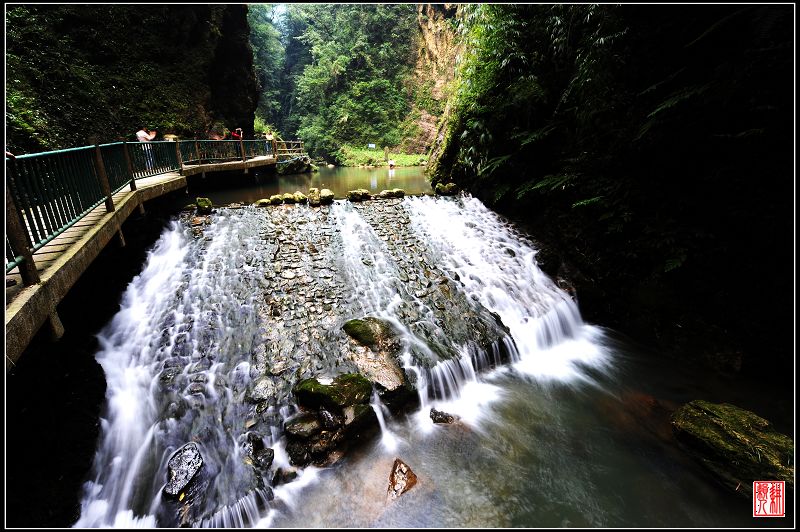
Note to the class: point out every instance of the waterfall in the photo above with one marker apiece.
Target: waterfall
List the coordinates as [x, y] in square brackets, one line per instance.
[255, 300]
[497, 266]
[388, 439]
[173, 359]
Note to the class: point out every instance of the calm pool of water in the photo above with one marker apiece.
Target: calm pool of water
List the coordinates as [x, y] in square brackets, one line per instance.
[230, 187]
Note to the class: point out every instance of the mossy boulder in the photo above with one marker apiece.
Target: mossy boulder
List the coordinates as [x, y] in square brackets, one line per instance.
[393, 193]
[326, 196]
[450, 189]
[203, 205]
[288, 198]
[736, 445]
[360, 194]
[368, 331]
[275, 199]
[313, 197]
[345, 390]
[262, 202]
[299, 197]
[381, 362]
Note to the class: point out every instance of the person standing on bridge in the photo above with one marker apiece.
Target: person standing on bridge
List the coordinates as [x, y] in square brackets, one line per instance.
[143, 135]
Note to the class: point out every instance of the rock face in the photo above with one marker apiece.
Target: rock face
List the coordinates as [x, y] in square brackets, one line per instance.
[183, 466]
[736, 445]
[401, 479]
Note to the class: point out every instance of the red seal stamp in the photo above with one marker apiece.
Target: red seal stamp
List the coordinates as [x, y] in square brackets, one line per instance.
[768, 498]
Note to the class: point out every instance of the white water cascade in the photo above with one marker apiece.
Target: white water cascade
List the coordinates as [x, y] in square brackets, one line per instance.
[498, 266]
[184, 330]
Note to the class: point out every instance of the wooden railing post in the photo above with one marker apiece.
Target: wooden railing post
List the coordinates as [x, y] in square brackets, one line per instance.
[101, 174]
[16, 234]
[129, 164]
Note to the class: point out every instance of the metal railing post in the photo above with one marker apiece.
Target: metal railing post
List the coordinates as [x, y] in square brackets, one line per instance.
[241, 149]
[178, 154]
[101, 174]
[197, 151]
[16, 234]
[129, 164]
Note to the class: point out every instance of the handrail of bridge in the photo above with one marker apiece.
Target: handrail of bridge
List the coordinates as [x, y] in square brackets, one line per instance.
[49, 192]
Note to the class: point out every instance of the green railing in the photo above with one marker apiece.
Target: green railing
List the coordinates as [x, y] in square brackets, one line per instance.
[52, 191]
[153, 158]
[49, 192]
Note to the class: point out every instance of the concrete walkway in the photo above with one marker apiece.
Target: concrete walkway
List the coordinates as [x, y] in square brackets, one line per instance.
[62, 261]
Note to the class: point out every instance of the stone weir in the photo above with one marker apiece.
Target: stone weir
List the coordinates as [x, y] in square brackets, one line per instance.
[350, 301]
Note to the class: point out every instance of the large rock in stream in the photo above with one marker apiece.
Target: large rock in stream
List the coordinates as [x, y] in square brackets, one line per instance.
[379, 361]
[183, 466]
[736, 445]
[334, 414]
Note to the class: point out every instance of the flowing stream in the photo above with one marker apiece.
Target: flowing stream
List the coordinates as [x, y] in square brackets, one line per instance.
[557, 423]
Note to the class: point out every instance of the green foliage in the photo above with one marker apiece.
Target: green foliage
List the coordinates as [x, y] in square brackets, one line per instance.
[268, 60]
[651, 142]
[352, 91]
[352, 156]
[79, 73]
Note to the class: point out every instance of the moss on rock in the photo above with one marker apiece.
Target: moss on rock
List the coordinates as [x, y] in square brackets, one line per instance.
[450, 189]
[738, 446]
[262, 202]
[326, 196]
[346, 390]
[203, 205]
[275, 199]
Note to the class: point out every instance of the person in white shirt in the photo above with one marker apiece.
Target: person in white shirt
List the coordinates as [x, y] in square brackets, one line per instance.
[143, 135]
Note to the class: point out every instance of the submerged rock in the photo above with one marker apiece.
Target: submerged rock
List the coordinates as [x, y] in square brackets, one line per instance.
[263, 459]
[326, 196]
[401, 479]
[183, 466]
[442, 417]
[736, 445]
[303, 425]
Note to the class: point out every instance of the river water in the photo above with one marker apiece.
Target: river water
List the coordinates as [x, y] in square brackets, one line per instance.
[570, 427]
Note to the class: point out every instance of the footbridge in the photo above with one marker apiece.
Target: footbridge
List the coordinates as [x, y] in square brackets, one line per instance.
[63, 207]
